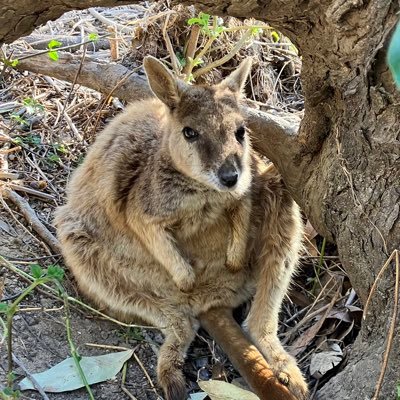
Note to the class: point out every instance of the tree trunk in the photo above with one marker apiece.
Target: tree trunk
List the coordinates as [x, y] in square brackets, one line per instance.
[343, 165]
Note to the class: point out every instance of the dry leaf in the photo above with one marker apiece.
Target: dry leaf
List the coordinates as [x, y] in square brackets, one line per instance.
[323, 362]
[220, 390]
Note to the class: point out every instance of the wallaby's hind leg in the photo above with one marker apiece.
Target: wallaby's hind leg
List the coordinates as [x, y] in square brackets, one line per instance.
[276, 259]
[172, 355]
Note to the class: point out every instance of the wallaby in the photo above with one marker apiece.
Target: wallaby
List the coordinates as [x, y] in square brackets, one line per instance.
[172, 213]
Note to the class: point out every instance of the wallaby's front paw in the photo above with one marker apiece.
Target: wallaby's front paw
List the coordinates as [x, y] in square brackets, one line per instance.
[185, 282]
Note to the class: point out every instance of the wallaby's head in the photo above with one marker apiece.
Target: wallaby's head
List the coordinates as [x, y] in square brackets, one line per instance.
[206, 136]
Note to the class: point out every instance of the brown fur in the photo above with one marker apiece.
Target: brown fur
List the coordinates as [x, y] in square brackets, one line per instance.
[149, 232]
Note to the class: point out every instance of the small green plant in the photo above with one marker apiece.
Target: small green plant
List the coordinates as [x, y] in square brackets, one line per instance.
[19, 120]
[10, 62]
[203, 20]
[132, 333]
[53, 158]
[60, 148]
[31, 140]
[33, 106]
[52, 274]
[9, 394]
[94, 37]
[211, 27]
[275, 36]
[398, 391]
[53, 54]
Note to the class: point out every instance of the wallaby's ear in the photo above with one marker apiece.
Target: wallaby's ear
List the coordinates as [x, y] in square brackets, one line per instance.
[163, 84]
[237, 79]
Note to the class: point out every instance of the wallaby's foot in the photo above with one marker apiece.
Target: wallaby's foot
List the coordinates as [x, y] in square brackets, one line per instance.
[173, 383]
[284, 367]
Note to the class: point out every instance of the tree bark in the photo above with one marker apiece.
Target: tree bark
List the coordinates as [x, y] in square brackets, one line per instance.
[343, 166]
[20, 17]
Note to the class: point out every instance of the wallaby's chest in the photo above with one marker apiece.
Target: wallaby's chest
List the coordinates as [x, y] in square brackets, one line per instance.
[199, 217]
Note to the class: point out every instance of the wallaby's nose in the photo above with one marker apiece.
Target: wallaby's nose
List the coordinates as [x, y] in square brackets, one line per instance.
[228, 174]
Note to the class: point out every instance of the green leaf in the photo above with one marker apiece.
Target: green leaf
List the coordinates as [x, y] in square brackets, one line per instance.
[203, 19]
[10, 393]
[36, 271]
[94, 37]
[220, 390]
[60, 148]
[33, 106]
[64, 376]
[3, 308]
[256, 31]
[198, 61]
[55, 272]
[53, 55]
[275, 36]
[398, 391]
[181, 58]
[393, 57]
[53, 157]
[19, 119]
[14, 63]
[53, 44]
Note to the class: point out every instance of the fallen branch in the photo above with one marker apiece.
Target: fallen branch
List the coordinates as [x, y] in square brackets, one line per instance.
[40, 42]
[99, 76]
[245, 357]
[273, 136]
[32, 218]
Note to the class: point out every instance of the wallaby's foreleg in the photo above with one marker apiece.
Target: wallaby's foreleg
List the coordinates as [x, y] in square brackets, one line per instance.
[172, 355]
[162, 247]
[240, 219]
[276, 261]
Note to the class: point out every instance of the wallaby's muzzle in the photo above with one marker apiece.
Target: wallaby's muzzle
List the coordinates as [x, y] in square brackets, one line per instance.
[228, 173]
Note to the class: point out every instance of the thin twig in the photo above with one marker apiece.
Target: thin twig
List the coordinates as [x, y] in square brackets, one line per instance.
[146, 374]
[74, 352]
[191, 50]
[58, 49]
[243, 40]
[35, 383]
[123, 379]
[32, 218]
[109, 22]
[33, 192]
[174, 60]
[392, 328]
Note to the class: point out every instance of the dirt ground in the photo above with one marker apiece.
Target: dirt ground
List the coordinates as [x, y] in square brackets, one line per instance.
[39, 149]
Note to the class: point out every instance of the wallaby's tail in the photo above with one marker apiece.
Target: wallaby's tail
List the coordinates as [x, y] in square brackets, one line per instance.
[245, 357]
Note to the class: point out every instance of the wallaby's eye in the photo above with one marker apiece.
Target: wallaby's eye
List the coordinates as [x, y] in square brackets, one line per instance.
[190, 134]
[240, 134]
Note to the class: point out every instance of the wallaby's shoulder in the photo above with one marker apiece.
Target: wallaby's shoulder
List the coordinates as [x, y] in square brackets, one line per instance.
[141, 123]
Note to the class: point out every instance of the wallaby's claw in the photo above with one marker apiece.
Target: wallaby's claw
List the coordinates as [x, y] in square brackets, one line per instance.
[289, 374]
